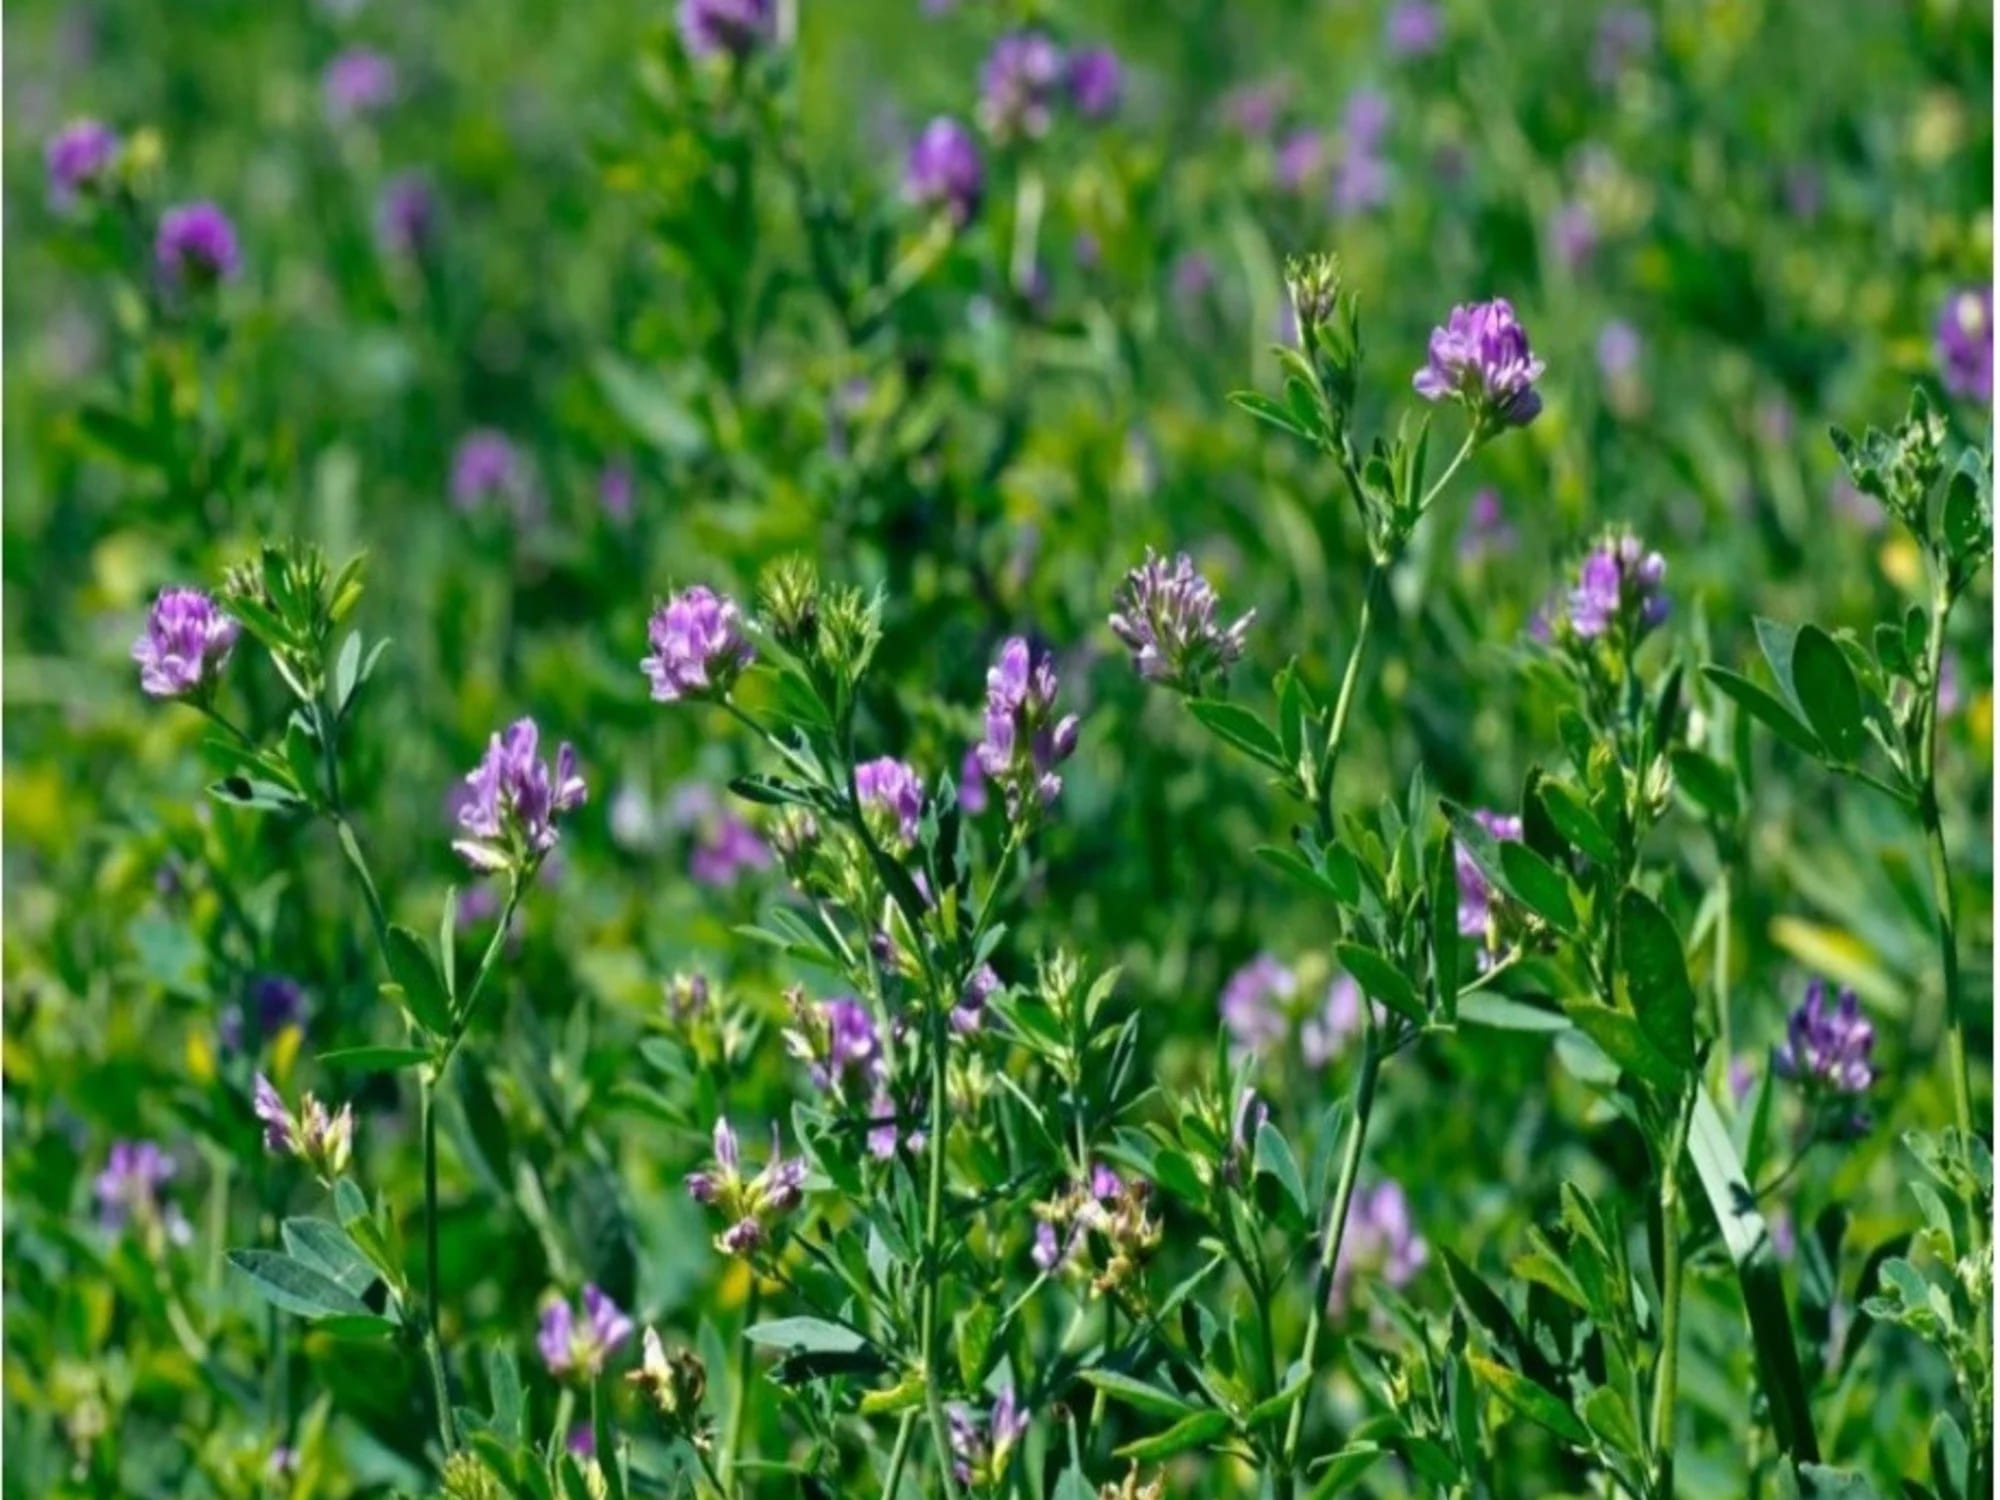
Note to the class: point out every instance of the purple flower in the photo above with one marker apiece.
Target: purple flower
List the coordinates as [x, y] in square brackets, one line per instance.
[1574, 234]
[1415, 29]
[972, 783]
[1322, 1036]
[970, 1013]
[576, 1343]
[1301, 159]
[892, 799]
[944, 170]
[1253, 109]
[1361, 182]
[1018, 85]
[699, 648]
[79, 158]
[1475, 894]
[1025, 742]
[185, 645]
[322, 1139]
[1618, 350]
[1965, 344]
[1096, 82]
[616, 486]
[1256, 1004]
[836, 1040]
[196, 244]
[1487, 529]
[725, 850]
[1624, 37]
[1365, 120]
[1165, 615]
[405, 215]
[129, 1194]
[1193, 278]
[1619, 583]
[734, 27]
[486, 467]
[356, 83]
[1827, 1047]
[980, 1448]
[1380, 1236]
[512, 800]
[1481, 358]
[750, 1205]
[272, 1003]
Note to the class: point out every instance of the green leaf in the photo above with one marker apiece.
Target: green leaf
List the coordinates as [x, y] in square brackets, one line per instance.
[1241, 728]
[1381, 980]
[1621, 1039]
[1709, 784]
[1294, 864]
[1484, 1008]
[1967, 529]
[1538, 885]
[503, 1380]
[417, 977]
[1274, 1159]
[1137, 1394]
[1575, 821]
[1264, 409]
[1444, 927]
[295, 1287]
[1778, 642]
[1766, 709]
[1190, 1432]
[652, 411]
[1275, 1406]
[1829, 694]
[1481, 1303]
[1607, 1415]
[1654, 971]
[1535, 1402]
[1344, 1468]
[1748, 1241]
[325, 1247]
[375, 1059]
[806, 1335]
[1951, 1459]
[256, 795]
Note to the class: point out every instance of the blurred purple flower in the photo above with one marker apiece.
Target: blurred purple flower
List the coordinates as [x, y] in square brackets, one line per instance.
[577, 1343]
[486, 467]
[78, 159]
[735, 27]
[1381, 1237]
[129, 1193]
[513, 800]
[726, 849]
[357, 83]
[1618, 350]
[1301, 159]
[1965, 344]
[1487, 529]
[1096, 82]
[699, 646]
[1619, 581]
[616, 485]
[1256, 1005]
[1481, 357]
[1324, 1035]
[1364, 123]
[196, 244]
[405, 215]
[970, 1013]
[1475, 893]
[1361, 183]
[1253, 109]
[185, 645]
[271, 1003]
[1018, 85]
[1415, 28]
[892, 799]
[944, 170]
[972, 783]
[1624, 39]
[1574, 234]
[980, 1447]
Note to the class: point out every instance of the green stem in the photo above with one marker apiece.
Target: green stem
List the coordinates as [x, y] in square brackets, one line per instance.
[462, 1022]
[1343, 704]
[739, 1395]
[934, 1252]
[1666, 1376]
[1940, 871]
[1465, 451]
[433, 1345]
[899, 1455]
[1329, 1257]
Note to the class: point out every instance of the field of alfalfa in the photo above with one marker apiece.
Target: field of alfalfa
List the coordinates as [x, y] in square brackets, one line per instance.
[993, 748]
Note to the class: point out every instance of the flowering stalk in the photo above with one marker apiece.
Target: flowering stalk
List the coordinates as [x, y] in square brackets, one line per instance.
[1666, 1374]
[1940, 871]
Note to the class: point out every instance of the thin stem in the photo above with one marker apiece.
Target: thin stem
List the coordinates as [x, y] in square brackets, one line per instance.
[1344, 703]
[1666, 1375]
[433, 1346]
[739, 1394]
[1942, 890]
[1465, 451]
[1330, 1238]
[1027, 229]
[899, 1455]
[934, 1253]
[462, 1023]
[999, 875]
[1724, 1031]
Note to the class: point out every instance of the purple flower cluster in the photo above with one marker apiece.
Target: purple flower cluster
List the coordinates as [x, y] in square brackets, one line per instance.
[1380, 1236]
[1619, 583]
[751, 1205]
[1096, 82]
[185, 645]
[730, 28]
[944, 171]
[576, 1343]
[1256, 1004]
[1025, 742]
[1361, 181]
[1415, 28]
[1165, 615]
[130, 1193]
[79, 159]
[486, 467]
[1324, 1035]
[892, 799]
[405, 215]
[323, 1140]
[1019, 84]
[725, 850]
[837, 1041]
[512, 800]
[357, 83]
[1828, 1047]
[699, 646]
[980, 1448]
[1476, 897]
[196, 245]
[1965, 344]
[970, 1013]
[1053, 1249]
[1481, 358]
